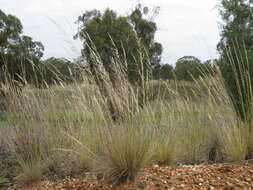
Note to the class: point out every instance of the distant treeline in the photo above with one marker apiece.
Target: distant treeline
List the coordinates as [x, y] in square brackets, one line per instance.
[127, 41]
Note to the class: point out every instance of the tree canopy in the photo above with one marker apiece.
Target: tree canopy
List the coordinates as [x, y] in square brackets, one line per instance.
[107, 32]
[164, 72]
[56, 70]
[236, 47]
[187, 68]
[19, 54]
[237, 17]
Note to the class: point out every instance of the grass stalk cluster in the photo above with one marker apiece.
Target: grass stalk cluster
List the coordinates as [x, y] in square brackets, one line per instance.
[114, 128]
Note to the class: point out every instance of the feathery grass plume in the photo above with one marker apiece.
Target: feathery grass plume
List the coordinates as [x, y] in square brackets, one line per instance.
[29, 142]
[125, 147]
[110, 126]
[239, 85]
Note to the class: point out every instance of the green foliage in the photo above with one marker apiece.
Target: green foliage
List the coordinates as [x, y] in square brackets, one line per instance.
[236, 50]
[57, 70]
[178, 121]
[187, 68]
[108, 33]
[75, 131]
[164, 72]
[237, 23]
[19, 54]
[145, 30]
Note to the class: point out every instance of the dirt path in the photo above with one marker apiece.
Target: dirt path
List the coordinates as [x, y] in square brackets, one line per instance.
[208, 177]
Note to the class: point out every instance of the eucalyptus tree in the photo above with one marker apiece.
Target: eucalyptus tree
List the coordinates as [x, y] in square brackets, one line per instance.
[19, 54]
[131, 37]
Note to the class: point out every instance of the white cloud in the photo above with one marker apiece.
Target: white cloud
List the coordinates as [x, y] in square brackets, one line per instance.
[185, 27]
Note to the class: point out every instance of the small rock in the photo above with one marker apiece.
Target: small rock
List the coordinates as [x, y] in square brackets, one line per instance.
[201, 179]
[182, 185]
[248, 179]
[141, 185]
[155, 166]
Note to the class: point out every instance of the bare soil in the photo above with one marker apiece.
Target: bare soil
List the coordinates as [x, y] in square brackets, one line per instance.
[229, 176]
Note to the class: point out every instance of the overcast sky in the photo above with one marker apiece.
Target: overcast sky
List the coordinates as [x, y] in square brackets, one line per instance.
[186, 27]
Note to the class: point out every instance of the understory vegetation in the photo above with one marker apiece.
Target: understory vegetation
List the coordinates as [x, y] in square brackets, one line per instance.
[116, 110]
[115, 128]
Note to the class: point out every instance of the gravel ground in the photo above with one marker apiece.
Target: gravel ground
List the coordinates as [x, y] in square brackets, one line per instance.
[207, 177]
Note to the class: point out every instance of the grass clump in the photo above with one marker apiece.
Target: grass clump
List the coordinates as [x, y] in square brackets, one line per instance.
[30, 155]
[164, 147]
[115, 128]
[126, 150]
[86, 147]
[234, 143]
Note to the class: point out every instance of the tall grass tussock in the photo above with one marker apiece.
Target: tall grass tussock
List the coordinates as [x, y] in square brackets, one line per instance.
[115, 129]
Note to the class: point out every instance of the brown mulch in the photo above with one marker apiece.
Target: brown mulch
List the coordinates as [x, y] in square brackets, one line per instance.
[207, 177]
